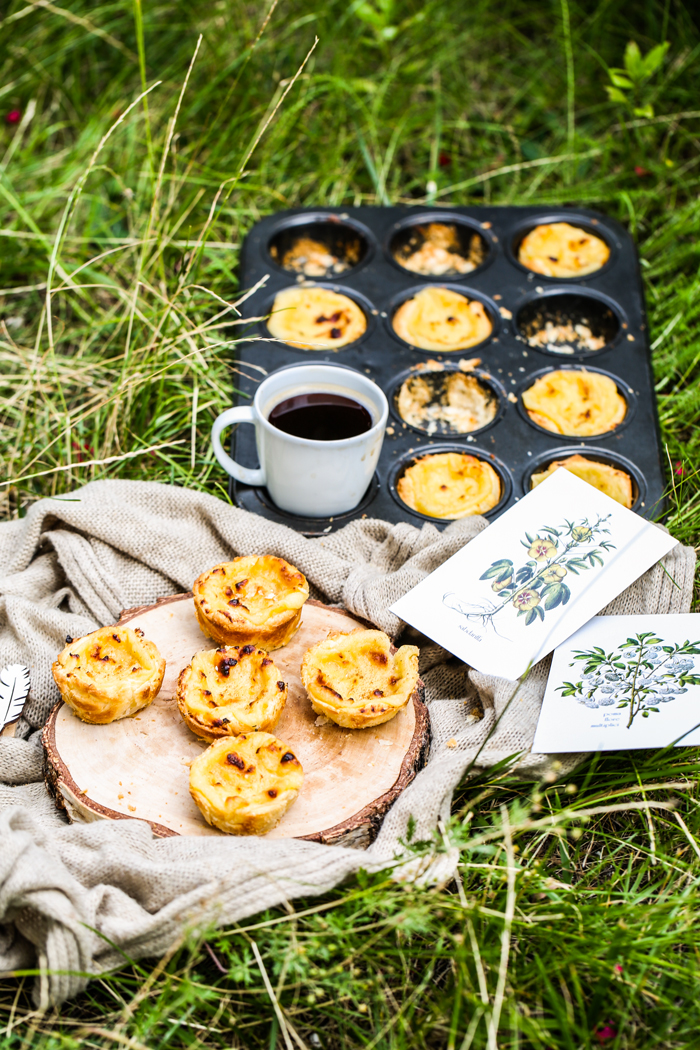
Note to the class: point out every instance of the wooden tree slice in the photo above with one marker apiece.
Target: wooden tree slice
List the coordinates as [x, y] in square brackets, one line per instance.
[139, 766]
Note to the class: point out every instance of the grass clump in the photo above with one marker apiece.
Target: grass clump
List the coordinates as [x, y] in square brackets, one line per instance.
[574, 922]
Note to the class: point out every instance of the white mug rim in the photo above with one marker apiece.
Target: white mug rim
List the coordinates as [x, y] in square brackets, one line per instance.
[314, 442]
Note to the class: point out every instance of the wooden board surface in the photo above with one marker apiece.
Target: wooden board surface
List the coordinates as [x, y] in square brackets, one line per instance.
[139, 766]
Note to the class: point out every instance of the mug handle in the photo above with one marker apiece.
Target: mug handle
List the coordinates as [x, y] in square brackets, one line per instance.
[240, 414]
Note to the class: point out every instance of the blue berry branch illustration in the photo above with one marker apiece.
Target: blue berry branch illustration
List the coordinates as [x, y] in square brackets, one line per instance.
[639, 675]
[538, 586]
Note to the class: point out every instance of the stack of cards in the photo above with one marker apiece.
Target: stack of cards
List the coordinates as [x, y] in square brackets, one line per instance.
[534, 580]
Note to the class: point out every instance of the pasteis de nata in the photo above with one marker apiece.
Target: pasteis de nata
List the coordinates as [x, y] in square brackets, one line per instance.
[575, 403]
[613, 482]
[109, 674]
[450, 485]
[245, 784]
[440, 319]
[557, 249]
[231, 690]
[252, 600]
[314, 318]
[358, 679]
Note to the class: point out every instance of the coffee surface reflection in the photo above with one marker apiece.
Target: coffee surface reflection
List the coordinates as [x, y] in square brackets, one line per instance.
[321, 416]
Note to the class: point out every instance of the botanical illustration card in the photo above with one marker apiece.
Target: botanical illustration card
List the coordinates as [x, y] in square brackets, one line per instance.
[534, 576]
[623, 682]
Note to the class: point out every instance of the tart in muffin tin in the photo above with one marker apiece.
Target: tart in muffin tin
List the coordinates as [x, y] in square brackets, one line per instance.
[513, 329]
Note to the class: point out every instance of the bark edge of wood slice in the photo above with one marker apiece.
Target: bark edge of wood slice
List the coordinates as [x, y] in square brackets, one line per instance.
[69, 743]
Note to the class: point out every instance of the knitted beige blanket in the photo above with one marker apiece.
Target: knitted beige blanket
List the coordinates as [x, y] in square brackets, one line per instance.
[72, 895]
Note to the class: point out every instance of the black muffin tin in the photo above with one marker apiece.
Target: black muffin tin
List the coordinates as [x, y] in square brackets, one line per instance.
[511, 443]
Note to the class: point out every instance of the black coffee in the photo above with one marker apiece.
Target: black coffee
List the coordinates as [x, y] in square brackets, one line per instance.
[321, 417]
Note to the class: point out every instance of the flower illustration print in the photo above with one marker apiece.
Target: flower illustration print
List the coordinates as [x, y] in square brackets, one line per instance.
[536, 585]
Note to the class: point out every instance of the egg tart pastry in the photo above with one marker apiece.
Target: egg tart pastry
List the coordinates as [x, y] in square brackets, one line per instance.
[608, 479]
[440, 319]
[557, 249]
[314, 318]
[358, 679]
[576, 403]
[252, 600]
[230, 690]
[245, 784]
[440, 252]
[109, 674]
[450, 485]
[451, 402]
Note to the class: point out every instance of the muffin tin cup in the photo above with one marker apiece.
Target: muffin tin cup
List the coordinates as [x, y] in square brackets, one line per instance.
[411, 457]
[592, 225]
[625, 391]
[319, 225]
[459, 289]
[446, 218]
[482, 375]
[365, 305]
[547, 298]
[511, 442]
[542, 461]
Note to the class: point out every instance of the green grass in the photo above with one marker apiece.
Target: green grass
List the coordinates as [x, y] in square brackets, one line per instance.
[561, 923]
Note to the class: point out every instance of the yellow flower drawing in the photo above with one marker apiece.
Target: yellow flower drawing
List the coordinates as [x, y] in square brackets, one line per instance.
[525, 600]
[542, 549]
[554, 573]
[581, 533]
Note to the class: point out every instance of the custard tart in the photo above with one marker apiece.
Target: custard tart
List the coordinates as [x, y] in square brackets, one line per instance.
[440, 319]
[450, 485]
[109, 674]
[608, 479]
[244, 784]
[252, 600]
[314, 318]
[557, 249]
[230, 690]
[576, 403]
[358, 679]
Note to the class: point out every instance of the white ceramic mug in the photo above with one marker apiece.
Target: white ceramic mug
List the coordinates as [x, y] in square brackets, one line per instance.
[310, 478]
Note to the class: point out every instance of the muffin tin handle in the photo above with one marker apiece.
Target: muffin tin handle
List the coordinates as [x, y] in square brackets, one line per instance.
[240, 414]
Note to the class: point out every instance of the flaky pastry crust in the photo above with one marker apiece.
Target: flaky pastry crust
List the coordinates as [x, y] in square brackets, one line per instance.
[608, 479]
[440, 319]
[252, 600]
[575, 403]
[358, 679]
[245, 784]
[558, 249]
[231, 690]
[109, 674]
[314, 318]
[450, 485]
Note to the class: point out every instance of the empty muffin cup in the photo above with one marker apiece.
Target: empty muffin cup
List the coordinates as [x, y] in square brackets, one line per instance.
[324, 247]
[446, 401]
[568, 323]
[435, 247]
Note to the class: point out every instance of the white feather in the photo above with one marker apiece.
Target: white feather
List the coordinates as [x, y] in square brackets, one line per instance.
[14, 687]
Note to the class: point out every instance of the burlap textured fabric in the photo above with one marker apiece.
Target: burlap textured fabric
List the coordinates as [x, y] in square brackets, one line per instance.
[70, 892]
